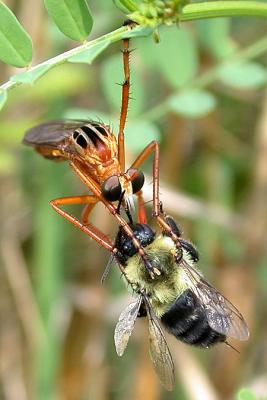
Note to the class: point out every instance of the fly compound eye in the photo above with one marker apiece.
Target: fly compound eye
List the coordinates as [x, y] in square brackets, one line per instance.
[80, 140]
[111, 188]
[137, 179]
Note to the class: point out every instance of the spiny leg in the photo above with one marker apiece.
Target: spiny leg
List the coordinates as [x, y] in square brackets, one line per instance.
[89, 229]
[143, 156]
[142, 218]
[124, 103]
[157, 207]
[94, 187]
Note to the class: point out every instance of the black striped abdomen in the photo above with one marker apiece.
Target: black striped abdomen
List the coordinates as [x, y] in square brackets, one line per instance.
[186, 320]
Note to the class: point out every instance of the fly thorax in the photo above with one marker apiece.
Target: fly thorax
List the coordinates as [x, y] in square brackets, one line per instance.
[109, 168]
[95, 143]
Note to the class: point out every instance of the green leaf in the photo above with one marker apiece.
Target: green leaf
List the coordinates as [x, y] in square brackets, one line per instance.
[192, 104]
[243, 75]
[214, 35]
[88, 55]
[15, 43]
[140, 133]
[3, 98]
[246, 394]
[72, 17]
[176, 56]
[112, 75]
[32, 76]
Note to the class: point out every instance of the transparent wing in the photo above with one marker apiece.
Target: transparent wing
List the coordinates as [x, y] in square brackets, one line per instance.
[51, 133]
[221, 314]
[125, 325]
[159, 351]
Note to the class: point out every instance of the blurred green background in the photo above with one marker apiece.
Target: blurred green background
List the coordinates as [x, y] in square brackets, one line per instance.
[202, 93]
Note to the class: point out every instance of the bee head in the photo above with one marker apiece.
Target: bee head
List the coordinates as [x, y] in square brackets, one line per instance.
[124, 244]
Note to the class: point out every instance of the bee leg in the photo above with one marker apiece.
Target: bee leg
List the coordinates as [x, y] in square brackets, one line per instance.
[176, 230]
[179, 255]
[183, 244]
[142, 310]
[191, 249]
[149, 267]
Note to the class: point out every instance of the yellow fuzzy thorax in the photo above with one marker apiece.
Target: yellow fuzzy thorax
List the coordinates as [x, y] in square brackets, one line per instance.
[164, 289]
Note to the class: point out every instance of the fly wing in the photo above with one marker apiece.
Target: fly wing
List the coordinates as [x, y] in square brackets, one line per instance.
[159, 352]
[125, 325]
[51, 134]
[221, 314]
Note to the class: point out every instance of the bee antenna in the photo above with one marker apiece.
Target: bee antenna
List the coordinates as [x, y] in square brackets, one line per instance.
[232, 347]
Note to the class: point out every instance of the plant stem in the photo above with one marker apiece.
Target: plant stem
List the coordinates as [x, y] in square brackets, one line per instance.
[113, 36]
[230, 8]
[189, 12]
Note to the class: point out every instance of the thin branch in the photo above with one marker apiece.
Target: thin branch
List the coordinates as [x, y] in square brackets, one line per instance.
[113, 36]
[189, 12]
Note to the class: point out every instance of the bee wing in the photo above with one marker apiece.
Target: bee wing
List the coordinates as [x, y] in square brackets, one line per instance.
[125, 325]
[51, 134]
[221, 314]
[159, 351]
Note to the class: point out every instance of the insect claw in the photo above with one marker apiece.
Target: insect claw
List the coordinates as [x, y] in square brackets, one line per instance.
[150, 269]
[152, 276]
[179, 255]
[157, 271]
[131, 24]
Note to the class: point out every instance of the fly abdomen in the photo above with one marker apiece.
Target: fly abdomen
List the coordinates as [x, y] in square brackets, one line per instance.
[186, 320]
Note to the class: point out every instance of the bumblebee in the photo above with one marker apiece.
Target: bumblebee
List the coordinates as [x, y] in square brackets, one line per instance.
[179, 297]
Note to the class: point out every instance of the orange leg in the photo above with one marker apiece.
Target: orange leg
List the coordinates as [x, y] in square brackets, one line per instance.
[142, 219]
[154, 147]
[89, 229]
[124, 103]
[94, 187]
[151, 147]
[87, 210]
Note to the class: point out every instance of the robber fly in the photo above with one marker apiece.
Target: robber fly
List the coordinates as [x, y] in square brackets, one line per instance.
[98, 158]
